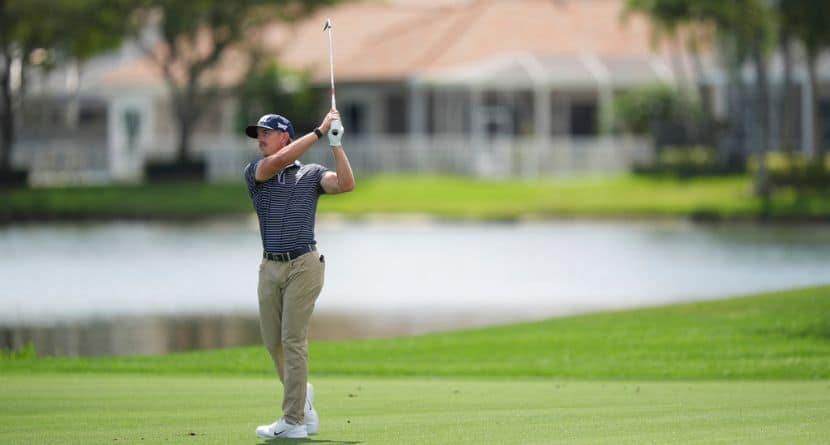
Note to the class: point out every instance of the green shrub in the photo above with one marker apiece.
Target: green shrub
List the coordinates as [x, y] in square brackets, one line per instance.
[274, 89]
[794, 170]
[637, 111]
[667, 115]
[686, 161]
[27, 352]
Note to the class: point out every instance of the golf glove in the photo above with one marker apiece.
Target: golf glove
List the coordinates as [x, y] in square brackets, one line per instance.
[335, 133]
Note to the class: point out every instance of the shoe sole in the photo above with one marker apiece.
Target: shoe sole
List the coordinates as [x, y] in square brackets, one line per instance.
[283, 436]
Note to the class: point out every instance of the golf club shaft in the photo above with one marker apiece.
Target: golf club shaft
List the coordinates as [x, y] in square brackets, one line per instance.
[331, 68]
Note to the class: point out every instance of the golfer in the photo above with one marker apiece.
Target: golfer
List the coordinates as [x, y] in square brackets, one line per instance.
[284, 193]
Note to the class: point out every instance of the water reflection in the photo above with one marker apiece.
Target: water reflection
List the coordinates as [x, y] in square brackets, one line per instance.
[133, 335]
[383, 278]
[154, 335]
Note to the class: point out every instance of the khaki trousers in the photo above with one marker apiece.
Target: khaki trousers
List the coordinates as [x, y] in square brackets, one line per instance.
[287, 293]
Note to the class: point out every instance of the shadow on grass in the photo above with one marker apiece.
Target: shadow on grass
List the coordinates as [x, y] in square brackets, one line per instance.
[277, 441]
[817, 330]
[820, 330]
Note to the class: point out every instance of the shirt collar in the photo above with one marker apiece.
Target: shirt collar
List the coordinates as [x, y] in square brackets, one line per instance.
[293, 164]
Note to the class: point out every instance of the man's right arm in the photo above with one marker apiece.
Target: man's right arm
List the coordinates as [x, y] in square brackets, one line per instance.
[270, 165]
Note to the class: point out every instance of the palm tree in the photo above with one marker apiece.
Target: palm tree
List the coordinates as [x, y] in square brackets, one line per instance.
[674, 21]
[808, 20]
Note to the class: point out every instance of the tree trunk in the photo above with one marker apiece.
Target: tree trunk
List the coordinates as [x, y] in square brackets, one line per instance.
[733, 151]
[707, 136]
[762, 188]
[185, 128]
[786, 97]
[731, 146]
[184, 142]
[684, 86]
[6, 114]
[817, 150]
[189, 108]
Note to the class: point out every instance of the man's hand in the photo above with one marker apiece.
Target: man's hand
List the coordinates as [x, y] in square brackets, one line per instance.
[335, 133]
[325, 126]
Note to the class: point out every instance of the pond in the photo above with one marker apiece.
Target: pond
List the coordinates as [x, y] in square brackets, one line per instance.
[391, 277]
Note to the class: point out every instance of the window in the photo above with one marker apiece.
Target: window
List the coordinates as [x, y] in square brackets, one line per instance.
[396, 114]
[355, 115]
[583, 119]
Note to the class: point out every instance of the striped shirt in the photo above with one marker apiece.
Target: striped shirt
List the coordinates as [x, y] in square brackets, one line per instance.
[286, 205]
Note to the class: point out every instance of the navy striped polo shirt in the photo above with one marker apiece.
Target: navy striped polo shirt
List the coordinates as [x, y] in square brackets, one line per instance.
[286, 205]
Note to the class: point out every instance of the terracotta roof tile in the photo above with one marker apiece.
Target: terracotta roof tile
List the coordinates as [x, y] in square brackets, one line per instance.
[376, 40]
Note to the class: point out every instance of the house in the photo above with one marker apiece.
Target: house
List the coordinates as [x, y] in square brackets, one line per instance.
[479, 87]
[492, 88]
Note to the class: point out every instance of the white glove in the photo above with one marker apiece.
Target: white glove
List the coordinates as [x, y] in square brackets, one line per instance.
[335, 133]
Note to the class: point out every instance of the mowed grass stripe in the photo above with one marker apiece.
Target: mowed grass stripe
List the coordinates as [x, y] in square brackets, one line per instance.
[780, 335]
[87, 409]
[776, 335]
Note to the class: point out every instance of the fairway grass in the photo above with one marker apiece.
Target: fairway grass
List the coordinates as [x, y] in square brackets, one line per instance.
[745, 370]
[779, 335]
[104, 409]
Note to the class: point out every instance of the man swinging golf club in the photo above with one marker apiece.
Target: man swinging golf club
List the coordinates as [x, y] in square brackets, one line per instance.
[285, 193]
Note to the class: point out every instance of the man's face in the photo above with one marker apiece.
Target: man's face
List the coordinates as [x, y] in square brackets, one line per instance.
[271, 141]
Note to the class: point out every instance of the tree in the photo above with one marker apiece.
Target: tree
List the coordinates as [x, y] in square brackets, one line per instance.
[105, 26]
[270, 87]
[21, 30]
[192, 38]
[673, 21]
[7, 49]
[61, 29]
[807, 20]
[743, 33]
[785, 99]
[689, 25]
[659, 110]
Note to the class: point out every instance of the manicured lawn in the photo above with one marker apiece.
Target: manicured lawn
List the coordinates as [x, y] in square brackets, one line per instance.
[625, 196]
[746, 370]
[105, 409]
[781, 335]
[447, 197]
[181, 200]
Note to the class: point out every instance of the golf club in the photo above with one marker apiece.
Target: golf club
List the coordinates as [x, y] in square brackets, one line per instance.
[328, 27]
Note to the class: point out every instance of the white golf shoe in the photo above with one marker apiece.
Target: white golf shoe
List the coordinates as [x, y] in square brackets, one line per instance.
[312, 420]
[281, 428]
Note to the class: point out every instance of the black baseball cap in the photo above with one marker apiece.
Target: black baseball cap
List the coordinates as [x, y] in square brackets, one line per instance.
[271, 122]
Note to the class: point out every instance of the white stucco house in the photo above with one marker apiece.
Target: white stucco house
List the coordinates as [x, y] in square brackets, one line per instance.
[489, 88]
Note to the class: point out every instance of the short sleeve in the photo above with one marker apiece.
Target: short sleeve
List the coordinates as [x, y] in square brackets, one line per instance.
[319, 172]
[250, 177]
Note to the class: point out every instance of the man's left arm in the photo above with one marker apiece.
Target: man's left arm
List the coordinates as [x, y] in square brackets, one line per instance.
[342, 179]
